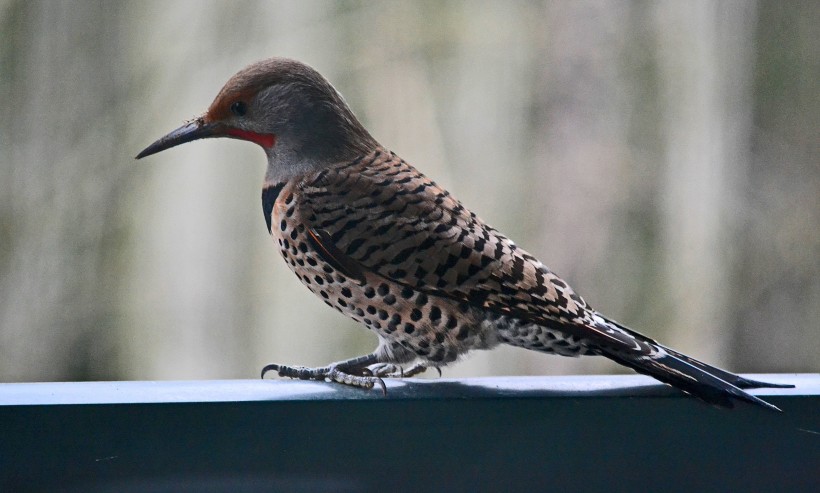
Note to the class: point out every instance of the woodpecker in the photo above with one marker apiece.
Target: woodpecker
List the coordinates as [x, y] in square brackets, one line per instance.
[380, 242]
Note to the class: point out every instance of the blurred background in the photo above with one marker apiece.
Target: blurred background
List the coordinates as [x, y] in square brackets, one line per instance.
[660, 156]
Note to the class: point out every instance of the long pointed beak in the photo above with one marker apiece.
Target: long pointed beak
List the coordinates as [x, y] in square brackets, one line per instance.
[197, 129]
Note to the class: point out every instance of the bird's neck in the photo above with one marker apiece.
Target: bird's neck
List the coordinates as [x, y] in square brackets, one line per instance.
[288, 162]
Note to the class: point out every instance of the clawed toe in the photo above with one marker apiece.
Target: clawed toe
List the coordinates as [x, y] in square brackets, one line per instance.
[419, 368]
[270, 367]
[363, 379]
[298, 372]
[386, 370]
[390, 370]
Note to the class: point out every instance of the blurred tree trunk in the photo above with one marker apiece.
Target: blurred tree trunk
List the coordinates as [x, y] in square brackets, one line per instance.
[706, 68]
[58, 231]
[777, 300]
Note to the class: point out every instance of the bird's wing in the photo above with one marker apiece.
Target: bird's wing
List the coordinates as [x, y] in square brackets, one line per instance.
[381, 215]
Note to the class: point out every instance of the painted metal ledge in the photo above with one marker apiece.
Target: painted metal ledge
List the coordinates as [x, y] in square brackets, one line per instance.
[200, 391]
[590, 433]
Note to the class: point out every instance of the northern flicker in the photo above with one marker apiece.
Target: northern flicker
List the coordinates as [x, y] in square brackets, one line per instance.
[383, 244]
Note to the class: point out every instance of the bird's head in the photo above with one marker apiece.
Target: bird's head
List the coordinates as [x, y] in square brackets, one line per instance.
[288, 109]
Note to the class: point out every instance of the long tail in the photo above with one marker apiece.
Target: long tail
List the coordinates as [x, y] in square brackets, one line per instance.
[706, 382]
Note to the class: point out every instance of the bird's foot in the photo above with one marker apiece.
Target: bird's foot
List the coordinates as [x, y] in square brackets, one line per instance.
[354, 376]
[390, 370]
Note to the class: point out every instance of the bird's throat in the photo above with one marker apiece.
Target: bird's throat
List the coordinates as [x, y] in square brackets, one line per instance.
[265, 140]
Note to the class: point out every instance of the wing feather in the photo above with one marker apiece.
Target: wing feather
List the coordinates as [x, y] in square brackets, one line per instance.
[402, 226]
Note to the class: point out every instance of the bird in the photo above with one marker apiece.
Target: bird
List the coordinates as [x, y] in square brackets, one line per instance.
[380, 242]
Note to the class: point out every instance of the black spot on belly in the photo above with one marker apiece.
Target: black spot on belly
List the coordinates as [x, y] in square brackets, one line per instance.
[435, 315]
[462, 333]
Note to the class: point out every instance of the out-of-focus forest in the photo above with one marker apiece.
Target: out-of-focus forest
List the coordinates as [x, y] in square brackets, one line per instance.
[660, 156]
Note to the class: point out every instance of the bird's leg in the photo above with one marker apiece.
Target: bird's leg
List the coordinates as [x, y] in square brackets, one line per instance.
[352, 372]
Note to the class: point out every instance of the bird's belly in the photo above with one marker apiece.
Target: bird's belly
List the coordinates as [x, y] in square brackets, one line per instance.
[433, 328]
[528, 335]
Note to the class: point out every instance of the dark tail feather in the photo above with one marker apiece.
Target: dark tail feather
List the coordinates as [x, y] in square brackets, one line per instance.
[736, 380]
[690, 378]
[707, 382]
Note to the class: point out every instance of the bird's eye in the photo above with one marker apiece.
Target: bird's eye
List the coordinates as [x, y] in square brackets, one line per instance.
[239, 108]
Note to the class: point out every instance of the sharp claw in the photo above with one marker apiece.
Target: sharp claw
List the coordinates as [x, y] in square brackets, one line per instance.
[270, 367]
[382, 385]
[438, 370]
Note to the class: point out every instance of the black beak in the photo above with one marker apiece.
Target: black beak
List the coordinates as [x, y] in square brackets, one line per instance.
[194, 130]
